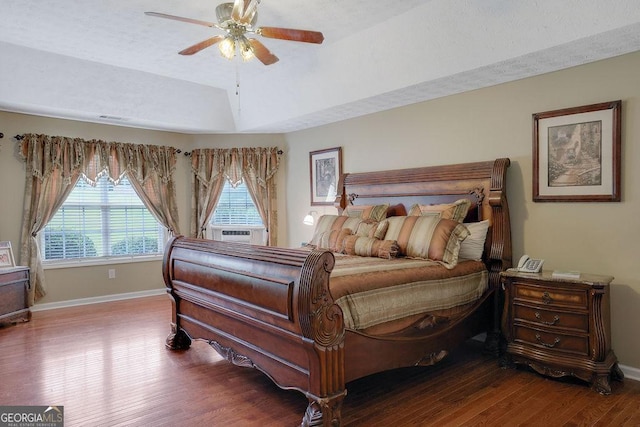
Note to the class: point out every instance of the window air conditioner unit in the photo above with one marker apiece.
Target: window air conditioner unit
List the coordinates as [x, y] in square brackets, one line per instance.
[253, 235]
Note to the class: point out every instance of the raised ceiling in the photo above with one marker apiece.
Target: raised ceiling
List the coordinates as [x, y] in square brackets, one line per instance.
[107, 62]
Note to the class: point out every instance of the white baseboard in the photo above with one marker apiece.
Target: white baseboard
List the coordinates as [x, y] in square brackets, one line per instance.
[630, 373]
[97, 300]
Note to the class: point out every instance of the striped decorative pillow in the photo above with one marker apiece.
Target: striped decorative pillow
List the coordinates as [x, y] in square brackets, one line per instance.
[334, 240]
[373, 229]
[374, 212]
[428, 237]
[446, 240]
[369, 246]
[327, 223]
[456, 211]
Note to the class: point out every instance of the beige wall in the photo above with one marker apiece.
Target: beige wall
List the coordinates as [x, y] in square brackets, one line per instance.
[496, 122]
[479, 125]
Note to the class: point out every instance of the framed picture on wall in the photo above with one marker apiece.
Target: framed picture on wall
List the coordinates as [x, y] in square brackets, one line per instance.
[6, 255]
[576, 154]
[325, 169]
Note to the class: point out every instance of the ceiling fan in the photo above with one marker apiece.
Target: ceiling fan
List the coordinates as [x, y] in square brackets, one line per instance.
[238, 19]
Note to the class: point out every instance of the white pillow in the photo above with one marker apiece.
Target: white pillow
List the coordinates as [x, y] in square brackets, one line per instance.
[473, 246]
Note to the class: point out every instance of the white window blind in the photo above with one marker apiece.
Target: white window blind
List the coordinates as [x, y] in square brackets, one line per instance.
[235, 207]
[102, 221]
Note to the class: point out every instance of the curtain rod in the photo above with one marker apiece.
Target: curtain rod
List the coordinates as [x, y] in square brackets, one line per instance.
[188, 153]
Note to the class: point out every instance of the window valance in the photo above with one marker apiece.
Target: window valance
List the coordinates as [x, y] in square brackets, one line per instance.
[234, 163]
[93, 158]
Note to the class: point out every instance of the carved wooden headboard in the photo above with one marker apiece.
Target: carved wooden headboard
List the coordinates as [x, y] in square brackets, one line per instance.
[483, 183]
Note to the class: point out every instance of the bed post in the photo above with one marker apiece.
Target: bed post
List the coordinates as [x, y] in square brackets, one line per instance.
[322, 322]
[341, 201]
[178, 338]
[500, 251]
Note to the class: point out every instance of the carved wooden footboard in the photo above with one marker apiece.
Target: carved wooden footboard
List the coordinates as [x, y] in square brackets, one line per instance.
[265, 308]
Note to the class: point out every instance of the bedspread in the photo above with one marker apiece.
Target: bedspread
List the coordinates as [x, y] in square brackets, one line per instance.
[371, 291]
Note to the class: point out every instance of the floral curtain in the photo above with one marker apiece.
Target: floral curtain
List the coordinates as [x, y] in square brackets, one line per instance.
[53, 166]
[256, 166]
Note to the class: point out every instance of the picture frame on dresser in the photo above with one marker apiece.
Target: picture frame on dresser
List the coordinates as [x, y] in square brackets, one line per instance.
[325, 168]
[577, 154]
[6, 255]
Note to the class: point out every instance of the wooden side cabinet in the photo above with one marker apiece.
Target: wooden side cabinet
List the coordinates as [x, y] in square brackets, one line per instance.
[14, 285]
[560, 327]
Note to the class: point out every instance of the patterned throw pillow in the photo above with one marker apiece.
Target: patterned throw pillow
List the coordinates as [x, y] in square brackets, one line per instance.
[373, 212]
[456, 211]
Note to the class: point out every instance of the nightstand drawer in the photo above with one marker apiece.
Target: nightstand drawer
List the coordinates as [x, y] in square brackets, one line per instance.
[545, 317]
[550, 296]
[552, 340]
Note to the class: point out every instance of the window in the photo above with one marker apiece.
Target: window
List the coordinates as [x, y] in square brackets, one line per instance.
[102, 221]
[235, 207]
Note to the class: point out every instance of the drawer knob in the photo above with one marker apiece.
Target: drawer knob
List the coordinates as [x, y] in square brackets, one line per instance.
[546, 298]
[555, 320]
[555, 342]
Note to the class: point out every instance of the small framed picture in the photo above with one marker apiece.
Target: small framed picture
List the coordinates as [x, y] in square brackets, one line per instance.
[325, 169]
[576, 154]
[6, 255]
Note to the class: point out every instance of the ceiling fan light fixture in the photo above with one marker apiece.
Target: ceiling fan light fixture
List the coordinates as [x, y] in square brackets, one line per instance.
[246, 50]
[227, 48]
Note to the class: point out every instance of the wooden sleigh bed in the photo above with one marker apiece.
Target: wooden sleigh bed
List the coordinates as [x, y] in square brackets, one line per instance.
[273, 309]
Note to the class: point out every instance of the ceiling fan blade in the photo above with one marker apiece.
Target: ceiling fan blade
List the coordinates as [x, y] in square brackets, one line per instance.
[199, 46]
[180, 18]
[249, 11]
[238, 10]
[262, 53]
[291, 34]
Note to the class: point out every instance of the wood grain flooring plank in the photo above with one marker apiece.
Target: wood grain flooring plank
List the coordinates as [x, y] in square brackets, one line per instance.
[108, 366]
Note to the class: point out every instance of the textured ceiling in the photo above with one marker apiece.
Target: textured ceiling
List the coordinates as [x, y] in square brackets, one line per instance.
[106, 61]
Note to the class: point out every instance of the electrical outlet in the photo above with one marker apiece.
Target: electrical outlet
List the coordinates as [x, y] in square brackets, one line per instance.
[112, 273]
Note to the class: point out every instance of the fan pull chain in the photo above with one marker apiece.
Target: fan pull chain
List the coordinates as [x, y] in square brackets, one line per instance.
[237, 80]
[238, 88]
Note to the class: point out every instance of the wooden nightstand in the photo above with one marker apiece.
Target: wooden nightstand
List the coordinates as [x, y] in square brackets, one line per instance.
[560, 327]
[14, 285]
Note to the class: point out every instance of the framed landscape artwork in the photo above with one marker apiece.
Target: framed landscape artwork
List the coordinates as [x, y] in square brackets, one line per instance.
[6, 255]
[576, 154]
[325, 169]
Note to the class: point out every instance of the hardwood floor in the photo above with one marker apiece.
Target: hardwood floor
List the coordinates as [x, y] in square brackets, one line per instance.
[107, 365]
